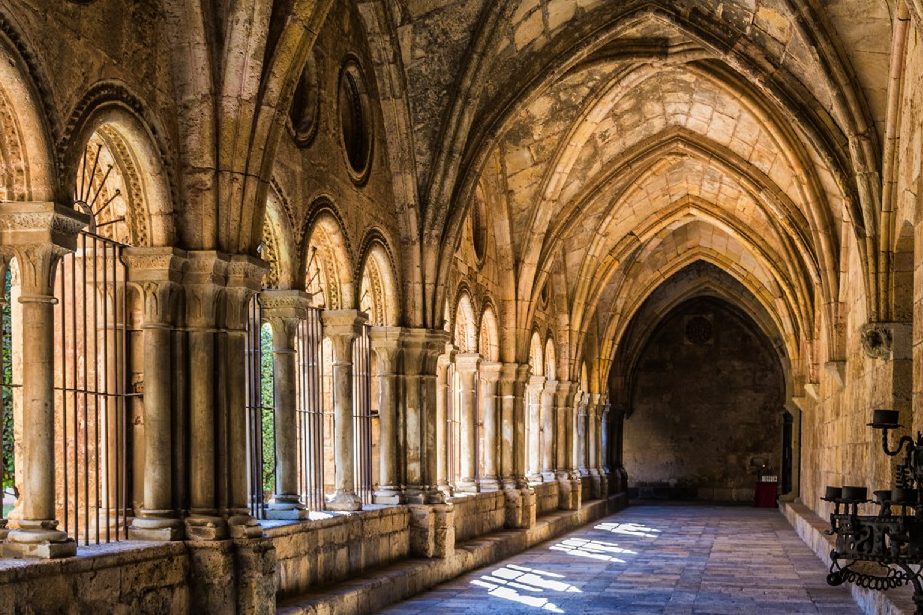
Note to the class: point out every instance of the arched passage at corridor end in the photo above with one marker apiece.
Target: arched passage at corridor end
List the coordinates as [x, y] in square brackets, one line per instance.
[699, 388]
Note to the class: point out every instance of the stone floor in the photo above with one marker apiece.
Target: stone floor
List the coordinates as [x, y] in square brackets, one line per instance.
[659, 558]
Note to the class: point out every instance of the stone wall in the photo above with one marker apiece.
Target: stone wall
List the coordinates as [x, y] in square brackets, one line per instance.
[324, 551]
[120, 578]
[478, 514]
[546, 498]
[707, 405]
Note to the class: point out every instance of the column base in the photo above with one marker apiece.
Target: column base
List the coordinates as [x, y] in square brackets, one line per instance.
[348, 502]
[466, 486]
[583, 471]
[446, 489]
[286, 507]
[548, 476]
[4, 530]
[388, 495]
[38, 539]
[161, 529]
[534, 479]
[206, 527]
[425, 494]
[244, 526]
[489, 484]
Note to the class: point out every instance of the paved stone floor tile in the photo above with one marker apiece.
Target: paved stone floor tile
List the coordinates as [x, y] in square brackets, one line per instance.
[652, 558]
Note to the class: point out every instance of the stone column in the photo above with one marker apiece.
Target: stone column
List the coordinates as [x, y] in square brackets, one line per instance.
[386, 346]
[341, 327]
[489, 373]
[443, 391]
[284, 310]
[569, 488]
[534, 429]
[605, 453]
[580, 446]
[466, 365]
[520, 499]
[421, 350]
[245, 279]
[157, 273]
[432, 526]
[593, 443]
[548, 431]
[37, 235]
[205, 277]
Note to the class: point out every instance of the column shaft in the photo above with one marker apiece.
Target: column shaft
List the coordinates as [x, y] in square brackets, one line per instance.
[467, 365]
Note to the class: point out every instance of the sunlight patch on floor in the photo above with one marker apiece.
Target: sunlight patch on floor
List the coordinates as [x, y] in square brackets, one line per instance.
[509, 581]
[629, 529]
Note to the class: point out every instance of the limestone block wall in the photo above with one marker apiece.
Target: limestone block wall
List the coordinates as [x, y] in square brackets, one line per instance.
[324, 551]
[837, 447]
[148, 580]
[707, 405]
[546, 498]
[478, 514]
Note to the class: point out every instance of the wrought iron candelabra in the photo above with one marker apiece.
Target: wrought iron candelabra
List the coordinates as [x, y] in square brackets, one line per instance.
[884, 550]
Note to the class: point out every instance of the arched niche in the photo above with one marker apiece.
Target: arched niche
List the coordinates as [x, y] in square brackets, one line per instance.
[278, 245]
[489, 341]
[328, 274]
[465, 333]
[26, 162]
[119, 178]
[551, 361]
[378, 290]
[536, 355]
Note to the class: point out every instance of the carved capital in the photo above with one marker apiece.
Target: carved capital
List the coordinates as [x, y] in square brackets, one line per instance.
[204, 279]
[40, 223]
[421, 349]
[386, 343]
[341, 327]
[37, 264]
[489, 371]
[466, 363]
[160, 300]
[564, 395]
[284, 310]
[157, 274]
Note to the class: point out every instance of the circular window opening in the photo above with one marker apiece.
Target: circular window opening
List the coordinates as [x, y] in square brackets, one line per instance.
[543, 297]
[355, 121]
[699, 330]
[478, 227]
[305, 109]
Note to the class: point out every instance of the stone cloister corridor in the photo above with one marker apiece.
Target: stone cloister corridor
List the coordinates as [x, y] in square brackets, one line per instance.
[322, 304]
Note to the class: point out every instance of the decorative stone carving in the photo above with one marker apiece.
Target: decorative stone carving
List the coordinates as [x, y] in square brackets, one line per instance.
[876, 340]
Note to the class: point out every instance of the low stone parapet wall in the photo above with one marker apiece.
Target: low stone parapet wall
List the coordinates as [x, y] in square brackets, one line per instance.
[546, 498]
[332, 547]
[127, 577]
[477, 514]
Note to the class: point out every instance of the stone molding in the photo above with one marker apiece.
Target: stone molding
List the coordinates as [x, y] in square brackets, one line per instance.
[489, 371]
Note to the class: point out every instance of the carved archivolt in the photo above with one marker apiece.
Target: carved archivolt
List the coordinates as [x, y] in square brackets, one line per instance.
[12, 160]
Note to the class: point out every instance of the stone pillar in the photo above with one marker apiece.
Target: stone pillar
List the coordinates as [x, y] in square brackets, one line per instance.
[569, 487]
[466, 365]
[341, 327]
[37, 235]
[489, 373]
[443, 391]
[605, 454]
[593, 444]
[157, 273]
[386, 346]
[421, 349]
[533, 426]
[580, 446]
[432, 525]
[548, 431]
[205, 276]
[520, 499]
[284, 310]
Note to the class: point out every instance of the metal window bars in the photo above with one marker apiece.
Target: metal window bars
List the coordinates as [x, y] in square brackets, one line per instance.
[260, 419]
[91, 392]
[362, 415]
[453, 425]
[310, 410]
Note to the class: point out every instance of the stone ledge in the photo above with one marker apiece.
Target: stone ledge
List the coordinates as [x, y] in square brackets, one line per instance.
[810, 528]
[385, 586]
[90, 558]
